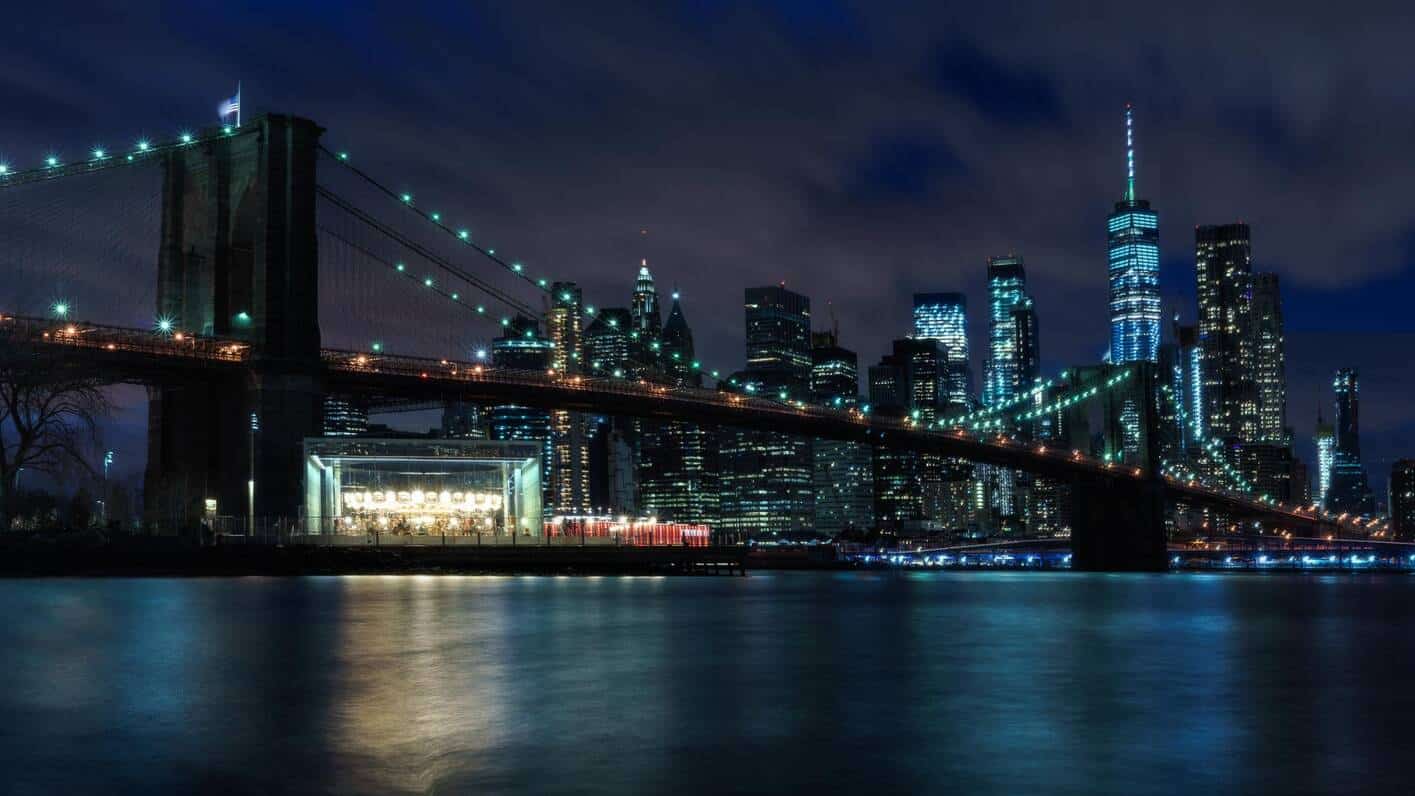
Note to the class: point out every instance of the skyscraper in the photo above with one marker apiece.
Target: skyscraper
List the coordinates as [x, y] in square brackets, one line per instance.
[779, 335]
[644, 309]
[835, 371]
[767, 476]
[907, 382]
[1402, 499]
[1133, 247]
[570, 443]
[521, 347]
[1325, 438]
[343, 418]
[678, 466]
[1271, 361]
[944, 317]
[1007, 292]
[1350, 491]
[608, 346]
[1223, 268]
[842, 475]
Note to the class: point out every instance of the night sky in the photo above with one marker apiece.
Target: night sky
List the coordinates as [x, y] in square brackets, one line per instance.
[860, 152]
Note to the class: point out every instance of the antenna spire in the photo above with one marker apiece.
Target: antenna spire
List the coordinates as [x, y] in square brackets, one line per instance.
[1129, 153]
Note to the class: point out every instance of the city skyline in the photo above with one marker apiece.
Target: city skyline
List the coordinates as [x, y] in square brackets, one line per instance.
[889, 191]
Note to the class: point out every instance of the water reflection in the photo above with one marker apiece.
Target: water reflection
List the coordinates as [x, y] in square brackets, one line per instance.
[877, 682]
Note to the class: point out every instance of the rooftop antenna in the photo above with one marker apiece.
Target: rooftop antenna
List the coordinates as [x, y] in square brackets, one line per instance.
[1129, 153]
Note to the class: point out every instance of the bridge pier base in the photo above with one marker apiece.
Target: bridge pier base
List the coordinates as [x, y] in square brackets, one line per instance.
[1117, 525]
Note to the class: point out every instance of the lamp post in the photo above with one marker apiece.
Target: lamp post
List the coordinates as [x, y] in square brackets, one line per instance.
[103, 502]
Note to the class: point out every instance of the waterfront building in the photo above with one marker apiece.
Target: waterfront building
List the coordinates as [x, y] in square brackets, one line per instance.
[1132, 232]
[1402, 499]
[943, 317]
[421, 487]
[1350, 490]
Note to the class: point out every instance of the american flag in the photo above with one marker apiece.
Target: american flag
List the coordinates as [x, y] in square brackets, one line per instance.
[231, 107]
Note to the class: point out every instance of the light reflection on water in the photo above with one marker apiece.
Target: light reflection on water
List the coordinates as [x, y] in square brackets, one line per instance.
[874, 682]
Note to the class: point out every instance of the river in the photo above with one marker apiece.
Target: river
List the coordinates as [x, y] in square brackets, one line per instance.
[873, 682]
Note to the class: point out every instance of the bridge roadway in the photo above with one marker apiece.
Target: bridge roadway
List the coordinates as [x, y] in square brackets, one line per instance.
[142, 356]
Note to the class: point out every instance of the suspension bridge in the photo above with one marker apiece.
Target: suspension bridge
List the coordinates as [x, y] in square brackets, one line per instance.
[285, 273]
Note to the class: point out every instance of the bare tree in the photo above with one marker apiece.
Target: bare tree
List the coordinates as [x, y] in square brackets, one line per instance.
[49, 416]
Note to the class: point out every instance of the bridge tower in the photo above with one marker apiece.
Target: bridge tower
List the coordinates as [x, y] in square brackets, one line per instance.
[238, 259]
[1117, 522]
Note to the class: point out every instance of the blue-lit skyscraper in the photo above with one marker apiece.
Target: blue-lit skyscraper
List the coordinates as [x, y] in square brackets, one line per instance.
[944, 317]
[1007, 293]
[1132, 233]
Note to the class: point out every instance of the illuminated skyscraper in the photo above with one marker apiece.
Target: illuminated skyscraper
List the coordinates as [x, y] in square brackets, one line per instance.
[614, 440]
[570, 433]
[1270, 361]
[1350, 491]
[1223, 268]
[767, 476]
[1007, 293]
[1133, 247]
[1325, 437]
[644, 308]
[944, 317]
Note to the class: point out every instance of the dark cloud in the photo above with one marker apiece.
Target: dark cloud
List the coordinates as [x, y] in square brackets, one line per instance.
[860, 151]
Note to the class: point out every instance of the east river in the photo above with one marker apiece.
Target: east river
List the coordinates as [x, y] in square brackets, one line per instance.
[865, 683]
